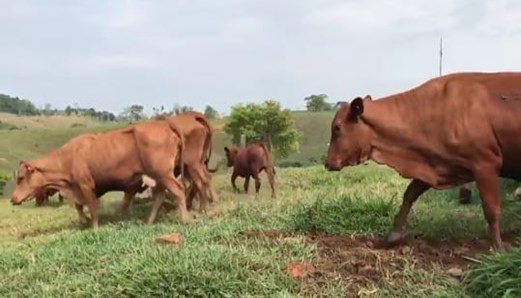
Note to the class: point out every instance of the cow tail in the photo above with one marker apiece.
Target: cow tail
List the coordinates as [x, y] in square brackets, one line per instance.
[181, 149]
[207, 144]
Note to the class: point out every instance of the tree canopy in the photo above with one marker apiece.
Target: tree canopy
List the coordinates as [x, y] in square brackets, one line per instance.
[317, 103]
[266, 122]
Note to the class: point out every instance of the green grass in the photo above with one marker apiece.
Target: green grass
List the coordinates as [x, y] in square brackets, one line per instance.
[44, 252]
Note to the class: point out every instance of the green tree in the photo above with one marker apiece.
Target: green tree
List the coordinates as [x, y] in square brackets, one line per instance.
[316, 103]
[178, 109]
[265, 122]
[211, 113]
[133, 113]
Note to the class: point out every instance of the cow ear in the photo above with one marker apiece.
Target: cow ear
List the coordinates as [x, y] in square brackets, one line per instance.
[356, 108]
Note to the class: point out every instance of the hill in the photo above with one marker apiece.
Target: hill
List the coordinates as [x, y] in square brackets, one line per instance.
[37, 135]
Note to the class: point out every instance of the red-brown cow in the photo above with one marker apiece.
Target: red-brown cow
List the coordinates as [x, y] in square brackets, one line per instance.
[446, 132]
[90, 165]
[42, 196]
[248, 162]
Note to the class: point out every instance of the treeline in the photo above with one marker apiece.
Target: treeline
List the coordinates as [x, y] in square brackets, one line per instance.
[24, 107]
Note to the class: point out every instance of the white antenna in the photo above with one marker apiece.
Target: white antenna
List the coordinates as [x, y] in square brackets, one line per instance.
[441, 53]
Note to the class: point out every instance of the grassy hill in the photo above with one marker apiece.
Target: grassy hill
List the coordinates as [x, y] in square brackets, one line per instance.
[39, 135]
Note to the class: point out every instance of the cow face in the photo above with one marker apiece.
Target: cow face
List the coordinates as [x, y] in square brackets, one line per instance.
[350, 137]
[29, 182]
[231, 153]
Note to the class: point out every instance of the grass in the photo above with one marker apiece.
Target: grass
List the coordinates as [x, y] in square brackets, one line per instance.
[44, 252]
[242, 246]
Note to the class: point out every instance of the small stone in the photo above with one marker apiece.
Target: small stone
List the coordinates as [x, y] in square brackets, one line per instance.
[455, 272]
[174, 238]
[405, 250]
[299, 269]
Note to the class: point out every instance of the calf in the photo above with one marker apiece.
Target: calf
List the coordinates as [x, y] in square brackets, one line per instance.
[248, 162]
[90, 165]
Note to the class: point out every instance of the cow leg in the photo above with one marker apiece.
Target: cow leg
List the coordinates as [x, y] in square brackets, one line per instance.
[93, 204]
[158, 195]
[128, 198]
[270, 172]
[177, 189]
[191, 196]
[81, 214]
[257, 182]
[201, 183]
[214, 198]
[465, 193]
[232, 179]
[246, 183]
[488, 186]
[414, 190]
[60, 198]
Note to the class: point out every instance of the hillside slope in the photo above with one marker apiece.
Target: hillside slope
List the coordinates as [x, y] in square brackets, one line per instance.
[36, 140]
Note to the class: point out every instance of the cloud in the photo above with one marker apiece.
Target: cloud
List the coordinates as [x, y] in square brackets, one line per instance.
[117, 53]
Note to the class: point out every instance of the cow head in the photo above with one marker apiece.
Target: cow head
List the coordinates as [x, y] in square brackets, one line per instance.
[30, 181]
[231, 153]
[350, 137]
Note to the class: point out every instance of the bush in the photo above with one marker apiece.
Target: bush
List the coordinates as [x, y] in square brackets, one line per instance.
[4, 178]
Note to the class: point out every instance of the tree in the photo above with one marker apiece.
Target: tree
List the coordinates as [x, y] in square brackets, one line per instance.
[211, 113]
[265, 122]
[133, 113]
[178, 109]
[316, 103]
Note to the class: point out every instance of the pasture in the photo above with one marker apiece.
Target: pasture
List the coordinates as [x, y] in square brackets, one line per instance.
[324, 227]
[243, 246]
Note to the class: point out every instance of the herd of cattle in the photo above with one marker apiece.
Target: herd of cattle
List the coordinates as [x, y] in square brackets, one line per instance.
[447, 132]
[149, 154]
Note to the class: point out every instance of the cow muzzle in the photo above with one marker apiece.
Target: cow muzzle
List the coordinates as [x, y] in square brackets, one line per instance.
[333, 166]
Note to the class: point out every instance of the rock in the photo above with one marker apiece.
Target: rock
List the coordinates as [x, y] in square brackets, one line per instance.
[299, 269]
[174, 238]
[455, 272]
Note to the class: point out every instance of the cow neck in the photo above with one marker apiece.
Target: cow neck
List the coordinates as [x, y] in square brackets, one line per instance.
[54, 168]
[393, 143]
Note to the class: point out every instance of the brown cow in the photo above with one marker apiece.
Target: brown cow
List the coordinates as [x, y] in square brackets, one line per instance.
[250, 161]
[465, 193]
[88, 166]
[42, 196]
[197, 134]
[446, 132]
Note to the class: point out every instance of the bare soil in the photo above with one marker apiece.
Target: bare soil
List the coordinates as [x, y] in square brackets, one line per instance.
[363, 260]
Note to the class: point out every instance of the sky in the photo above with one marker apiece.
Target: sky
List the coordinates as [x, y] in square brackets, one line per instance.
[112, 54]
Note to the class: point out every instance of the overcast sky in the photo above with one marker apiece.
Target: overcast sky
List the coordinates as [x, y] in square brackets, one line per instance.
[111, 54]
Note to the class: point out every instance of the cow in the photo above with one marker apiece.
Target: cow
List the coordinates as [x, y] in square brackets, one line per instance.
[197, 133]
[42, 196]
[446, 132]
[248, 162]
[90, 165]
[465, 193]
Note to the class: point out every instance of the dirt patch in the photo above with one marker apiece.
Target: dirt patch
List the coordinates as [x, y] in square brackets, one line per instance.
[363, 261]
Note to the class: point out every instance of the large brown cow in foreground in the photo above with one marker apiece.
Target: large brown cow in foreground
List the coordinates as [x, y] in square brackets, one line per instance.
[248, 162]
[90, 165]
[197, 133]
[446, 132]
